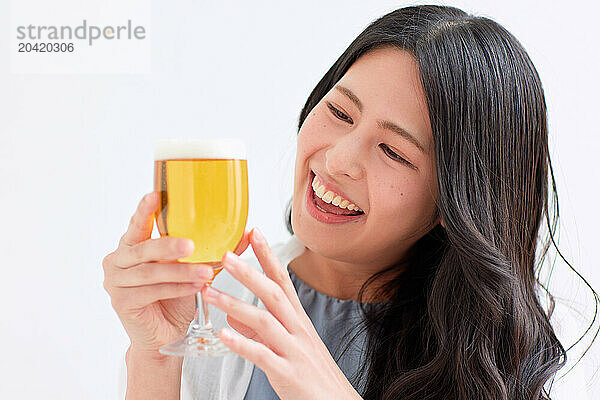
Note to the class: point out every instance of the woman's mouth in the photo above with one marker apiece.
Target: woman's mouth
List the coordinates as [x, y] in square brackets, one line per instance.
[329, 212]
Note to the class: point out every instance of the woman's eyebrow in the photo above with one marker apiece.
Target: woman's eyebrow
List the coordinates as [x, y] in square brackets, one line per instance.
[380, 123]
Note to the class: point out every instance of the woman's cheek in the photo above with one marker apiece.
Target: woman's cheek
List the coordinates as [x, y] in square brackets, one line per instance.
[310, 135]
[315, 130]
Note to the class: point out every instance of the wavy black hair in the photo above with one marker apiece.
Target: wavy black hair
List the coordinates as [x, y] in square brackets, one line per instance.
[465, 320]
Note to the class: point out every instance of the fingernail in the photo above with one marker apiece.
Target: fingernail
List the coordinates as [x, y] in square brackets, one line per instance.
[231, 260]
[258, 236]
[209, 293]
[186, 245]
[226, 333]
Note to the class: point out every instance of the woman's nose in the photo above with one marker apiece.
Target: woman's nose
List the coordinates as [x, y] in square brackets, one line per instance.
[346, 156]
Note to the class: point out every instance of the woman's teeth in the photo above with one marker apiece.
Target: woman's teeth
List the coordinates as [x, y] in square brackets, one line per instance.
[332, 197]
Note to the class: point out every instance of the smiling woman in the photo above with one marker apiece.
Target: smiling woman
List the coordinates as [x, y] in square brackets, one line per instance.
[454, 202]
[345, 142]
[421, 183]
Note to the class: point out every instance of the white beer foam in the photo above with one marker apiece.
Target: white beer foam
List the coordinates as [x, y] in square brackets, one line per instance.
[217, 148]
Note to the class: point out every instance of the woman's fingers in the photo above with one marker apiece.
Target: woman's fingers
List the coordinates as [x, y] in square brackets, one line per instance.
[256, 352]
[135, 298]
[165, 248]
[271, 294]
[272, 332]
[160, 249]
[153, 273]
[273, 268]
[140, 225]
[244, 243]
[137, 247]
[242, 328]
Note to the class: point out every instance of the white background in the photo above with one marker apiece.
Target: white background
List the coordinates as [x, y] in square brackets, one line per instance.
[77, 149]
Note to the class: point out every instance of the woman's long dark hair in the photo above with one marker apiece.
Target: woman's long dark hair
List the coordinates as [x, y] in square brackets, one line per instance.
[464, 320]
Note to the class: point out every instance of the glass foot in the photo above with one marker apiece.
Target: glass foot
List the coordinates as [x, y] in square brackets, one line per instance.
[197, 343]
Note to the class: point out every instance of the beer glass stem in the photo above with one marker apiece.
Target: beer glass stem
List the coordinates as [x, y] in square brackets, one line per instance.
[202, 320]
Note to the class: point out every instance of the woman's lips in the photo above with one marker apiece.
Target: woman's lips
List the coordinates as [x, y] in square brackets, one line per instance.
[331, 186]
[322, 216]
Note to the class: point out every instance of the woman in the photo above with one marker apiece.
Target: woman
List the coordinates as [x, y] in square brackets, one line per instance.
[433, 123]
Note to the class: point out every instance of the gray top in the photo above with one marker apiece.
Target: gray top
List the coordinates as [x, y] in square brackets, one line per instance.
[332, 318]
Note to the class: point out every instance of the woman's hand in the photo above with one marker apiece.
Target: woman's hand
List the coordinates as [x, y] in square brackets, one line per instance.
[280, 340]
[151, 292]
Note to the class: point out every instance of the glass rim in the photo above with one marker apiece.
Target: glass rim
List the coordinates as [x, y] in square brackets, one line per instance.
[200, 148]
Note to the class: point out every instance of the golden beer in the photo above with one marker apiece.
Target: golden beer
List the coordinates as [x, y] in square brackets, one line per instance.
[203, 186]
[203, 199]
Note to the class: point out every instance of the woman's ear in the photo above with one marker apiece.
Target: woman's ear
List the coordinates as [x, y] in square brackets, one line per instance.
[442, 223]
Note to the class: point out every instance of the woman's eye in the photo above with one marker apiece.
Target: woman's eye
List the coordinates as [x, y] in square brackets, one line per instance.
[393, 155]
[338, 114]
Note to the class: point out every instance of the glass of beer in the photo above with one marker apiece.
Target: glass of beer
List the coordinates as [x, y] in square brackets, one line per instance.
[203, 186]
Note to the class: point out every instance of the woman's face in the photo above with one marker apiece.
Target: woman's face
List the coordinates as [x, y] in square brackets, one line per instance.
[350, 150]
